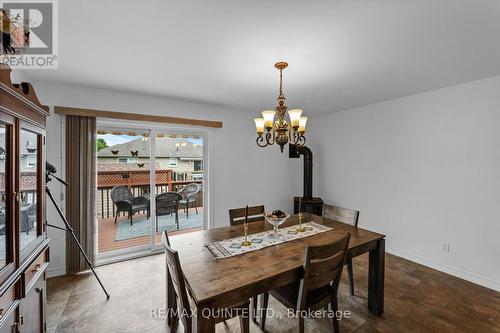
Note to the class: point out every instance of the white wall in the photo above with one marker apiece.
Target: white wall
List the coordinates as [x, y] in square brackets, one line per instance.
[425, 171]
[241, 172]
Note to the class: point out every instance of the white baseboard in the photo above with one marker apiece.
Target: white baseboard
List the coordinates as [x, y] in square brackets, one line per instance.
[474, 278]
[56, 271]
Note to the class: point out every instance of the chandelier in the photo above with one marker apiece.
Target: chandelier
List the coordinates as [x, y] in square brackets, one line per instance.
[280, 131]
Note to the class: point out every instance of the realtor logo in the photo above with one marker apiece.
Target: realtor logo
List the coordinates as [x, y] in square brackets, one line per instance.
[29, 34]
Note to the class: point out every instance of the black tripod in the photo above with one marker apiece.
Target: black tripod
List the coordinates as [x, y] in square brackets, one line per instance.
[49, 174]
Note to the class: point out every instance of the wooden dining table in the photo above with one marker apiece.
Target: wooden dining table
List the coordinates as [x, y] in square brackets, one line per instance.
[219, 283]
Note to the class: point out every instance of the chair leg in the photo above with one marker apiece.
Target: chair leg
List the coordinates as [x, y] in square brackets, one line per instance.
[177, 219]
[350, 273]
[254, 308]
[196, 207]
[187, 210]
[130, 217]
[244, 323]
[265, 301]
[301, 324]
[335, 307]
[188, 323]
[116, 217]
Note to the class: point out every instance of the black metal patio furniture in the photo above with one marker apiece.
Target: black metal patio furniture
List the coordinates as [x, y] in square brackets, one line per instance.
[189, 195]
[125, 201]
[167, 204]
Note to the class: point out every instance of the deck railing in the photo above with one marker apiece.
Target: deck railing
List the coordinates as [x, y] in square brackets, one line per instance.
[138, 183]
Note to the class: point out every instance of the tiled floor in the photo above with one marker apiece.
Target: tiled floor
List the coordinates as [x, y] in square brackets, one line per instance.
[417, 299]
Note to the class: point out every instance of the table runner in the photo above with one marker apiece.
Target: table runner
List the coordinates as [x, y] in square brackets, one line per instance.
[232, 247]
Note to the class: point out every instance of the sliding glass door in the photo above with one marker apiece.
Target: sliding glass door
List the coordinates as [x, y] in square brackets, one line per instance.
[179, 183]
[148, 180]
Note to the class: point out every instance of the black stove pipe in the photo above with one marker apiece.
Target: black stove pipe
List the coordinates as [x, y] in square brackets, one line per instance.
[295, 152]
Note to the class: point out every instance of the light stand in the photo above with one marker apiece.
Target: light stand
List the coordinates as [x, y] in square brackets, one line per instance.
[48, 176]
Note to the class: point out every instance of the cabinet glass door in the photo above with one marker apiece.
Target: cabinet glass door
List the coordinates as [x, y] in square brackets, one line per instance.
[28, 186]
[4, 196]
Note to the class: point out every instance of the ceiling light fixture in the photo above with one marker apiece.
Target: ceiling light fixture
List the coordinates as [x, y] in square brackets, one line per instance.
[280, 131]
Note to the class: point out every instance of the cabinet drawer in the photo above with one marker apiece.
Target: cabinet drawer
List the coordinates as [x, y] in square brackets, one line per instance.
[34, 271]
[6, 301]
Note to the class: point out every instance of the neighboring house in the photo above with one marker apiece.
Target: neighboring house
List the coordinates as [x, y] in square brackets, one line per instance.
[28, 150]
[28, 164]
[178, 155]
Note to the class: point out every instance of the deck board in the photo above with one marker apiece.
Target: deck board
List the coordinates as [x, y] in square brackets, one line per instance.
[107, 231]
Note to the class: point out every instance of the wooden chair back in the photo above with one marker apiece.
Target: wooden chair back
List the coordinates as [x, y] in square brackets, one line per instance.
[237, 215]
[344, 215]
[177, 277]
[322, 267]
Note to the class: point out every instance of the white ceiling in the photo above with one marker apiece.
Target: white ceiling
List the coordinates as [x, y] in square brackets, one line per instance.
[342, 54]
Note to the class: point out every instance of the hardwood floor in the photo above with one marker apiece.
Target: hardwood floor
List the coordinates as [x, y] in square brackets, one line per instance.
[417, 299]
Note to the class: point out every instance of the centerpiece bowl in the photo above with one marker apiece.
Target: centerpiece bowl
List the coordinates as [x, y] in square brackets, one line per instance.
[276, 218]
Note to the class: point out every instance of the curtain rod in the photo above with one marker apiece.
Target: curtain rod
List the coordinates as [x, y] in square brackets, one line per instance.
[136, 117]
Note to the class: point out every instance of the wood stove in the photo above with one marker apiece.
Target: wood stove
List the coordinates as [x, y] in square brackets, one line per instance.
[308, 203]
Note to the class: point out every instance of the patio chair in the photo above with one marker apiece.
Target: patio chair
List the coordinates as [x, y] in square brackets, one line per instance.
[126, 202]
[27, 223]
[189, 195]
[166, 204]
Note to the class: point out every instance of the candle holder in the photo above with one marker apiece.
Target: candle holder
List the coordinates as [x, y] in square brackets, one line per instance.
[245, 241]
[300, 227]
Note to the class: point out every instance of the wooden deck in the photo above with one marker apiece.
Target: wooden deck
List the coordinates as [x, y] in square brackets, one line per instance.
[107, 230]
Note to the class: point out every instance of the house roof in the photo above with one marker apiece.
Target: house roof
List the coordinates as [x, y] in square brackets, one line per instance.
[107, 167]
[165, 147]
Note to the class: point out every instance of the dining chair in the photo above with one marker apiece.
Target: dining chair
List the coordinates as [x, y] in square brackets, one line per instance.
[348, 216]
[179, 288]
[237, 217]
[171, 297]
[319, 285]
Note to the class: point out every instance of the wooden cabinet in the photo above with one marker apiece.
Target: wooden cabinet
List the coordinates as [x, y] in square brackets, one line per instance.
[24, 245]
[32, 308]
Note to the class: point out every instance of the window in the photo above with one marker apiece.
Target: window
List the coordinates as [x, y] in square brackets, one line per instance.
[31, 160]
[123, 160]
[172, 162]
[198, 165]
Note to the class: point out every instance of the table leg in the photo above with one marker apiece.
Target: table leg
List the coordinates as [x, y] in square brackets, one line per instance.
[203, 321]
[376, 275]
